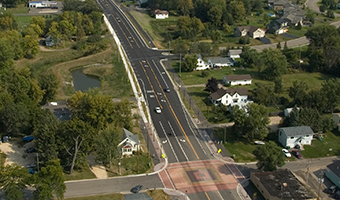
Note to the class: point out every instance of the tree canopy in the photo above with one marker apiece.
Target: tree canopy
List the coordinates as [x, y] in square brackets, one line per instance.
[269, 156]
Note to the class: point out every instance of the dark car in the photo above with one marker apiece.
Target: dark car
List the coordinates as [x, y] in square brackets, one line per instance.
[336, 195]
[28, 138]
[297, 154]
[136, 189]
[30, 150]
[167, 90]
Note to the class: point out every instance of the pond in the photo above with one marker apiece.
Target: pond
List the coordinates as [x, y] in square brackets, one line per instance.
[84, 82]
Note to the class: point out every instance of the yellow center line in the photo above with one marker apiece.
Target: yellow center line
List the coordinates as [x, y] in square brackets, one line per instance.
[186, 136]
[151, 85]
[122, 31]
[131, 34]
[207, 195]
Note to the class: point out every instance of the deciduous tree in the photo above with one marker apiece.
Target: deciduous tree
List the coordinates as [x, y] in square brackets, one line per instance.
[269, 156]
[275, 62]
[212, 85]
[190, 63]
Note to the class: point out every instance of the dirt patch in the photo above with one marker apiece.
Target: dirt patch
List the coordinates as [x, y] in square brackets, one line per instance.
[16, 154]
[98, 170]
[274, 123]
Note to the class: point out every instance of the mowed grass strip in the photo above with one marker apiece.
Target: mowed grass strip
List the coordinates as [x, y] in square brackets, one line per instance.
[158, 194]
[329, 146]
[100, 197]
[20, 9]
[85, 173]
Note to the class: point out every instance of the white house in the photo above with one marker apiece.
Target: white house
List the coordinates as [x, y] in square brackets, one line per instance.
[42, 4]
[201, 65]
[336, 120]
[250, 31]
[234, 53]
[220, 62]
[161, 14]
[230, 97]
[129, 143]
[242, 79]
[291, 136]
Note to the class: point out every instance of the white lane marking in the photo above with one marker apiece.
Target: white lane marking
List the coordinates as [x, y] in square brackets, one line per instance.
[219, 194]
[160, 74]
[173, 132]
[160, 123]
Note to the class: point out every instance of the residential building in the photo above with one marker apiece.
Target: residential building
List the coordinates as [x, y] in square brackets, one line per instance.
[234, 53]
[287, 111]
[333, 172]
[278, 26]
[129, 144]
[250, 31]
[336, 120]
[242, 79]
[201, 64]
[42, 4]
[297, 135]
[230, 97]
[280, 185]
[161, 14]
[220, 62]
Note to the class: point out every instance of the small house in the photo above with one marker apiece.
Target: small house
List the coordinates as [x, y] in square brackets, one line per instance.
[296, 135]
[201, 64]
[243, 79]
[230, 97]
[333, 173]
[129, 144]
[287, 111]
[336, 120]
[278, 26]
[220, 62]
[234, 53]
[161, 14]
[250, 31]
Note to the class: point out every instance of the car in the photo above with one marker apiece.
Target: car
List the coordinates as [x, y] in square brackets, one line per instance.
[286, 152]
[30, 150]
[158, 110]
[259, 142]
[167, 90]
[28, 138]
[136, 189]
[297, 154]
[31, 165]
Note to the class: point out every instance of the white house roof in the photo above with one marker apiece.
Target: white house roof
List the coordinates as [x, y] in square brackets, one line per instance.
[220, 60]
[130, 136]
[297, 131]
[235, 52]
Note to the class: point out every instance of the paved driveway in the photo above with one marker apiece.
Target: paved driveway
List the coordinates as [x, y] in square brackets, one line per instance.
[265, 40]
[288, 35]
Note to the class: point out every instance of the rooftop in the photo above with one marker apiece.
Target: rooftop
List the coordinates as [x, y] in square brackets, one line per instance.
[335, 167]
[283, 185]
[297, 131]
[220, 60]
[235, 51]
[238, 77]
[250, 29]
[221, 92]
[130, 136]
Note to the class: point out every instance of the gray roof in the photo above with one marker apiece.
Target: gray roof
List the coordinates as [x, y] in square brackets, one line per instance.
[283, 185]
[335, 168]
[220, 60]
[297, 131]
[130, 136]
[235, 52]
[221, 92]
[249, 29]
[238, 77]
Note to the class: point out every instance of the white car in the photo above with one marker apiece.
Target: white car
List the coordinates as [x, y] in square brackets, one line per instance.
[158, 110]
[286, 152]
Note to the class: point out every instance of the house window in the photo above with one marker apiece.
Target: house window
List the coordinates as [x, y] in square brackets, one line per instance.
[280, 133]
[307, 135]
[235, 100]
[291, 137]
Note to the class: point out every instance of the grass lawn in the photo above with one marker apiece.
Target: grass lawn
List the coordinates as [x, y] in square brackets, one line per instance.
[23, 21]
[78, 175]
[158, 194]
[100, 197]
[20, 9]
[331, 140]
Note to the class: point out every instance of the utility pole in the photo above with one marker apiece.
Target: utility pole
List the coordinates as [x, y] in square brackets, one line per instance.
[225, 133]
[137, 160]
[180, 63]
[309, 163]
[320, 181]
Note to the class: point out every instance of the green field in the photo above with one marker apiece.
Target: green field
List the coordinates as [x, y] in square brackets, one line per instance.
[78, 175]
[329, 146]
[20, 9]
[23, 21]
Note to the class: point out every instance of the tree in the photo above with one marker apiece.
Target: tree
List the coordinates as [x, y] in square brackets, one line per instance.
[237, 10]
[215, 15]
[310, 16]
[276, 63]
[66, 29]
[215, 36]
[190, 63]
[54, 31]
[106, 145]
[227, 29]
[278, 85]
[205, 73]
[13, 180]
[86, 7]
[250, 121]
[40, 21]
[212, 85]
[330, 14]
[35, 92]
[244, 40]
[30, 45]
[269, 156]
[49, 181]
[179, 47]
[14, 118]
[250, 58]
[75, 136]
[299, 26]
[7, 21]
[322, 8]
[6, 54]
[80, 32]
[316, 99]
[331, 90]
[278, 46]
[264, 94]
[221, 112]
[185, 6]
[87, 24]
[13, 37]
[48, 83]
[298, 92]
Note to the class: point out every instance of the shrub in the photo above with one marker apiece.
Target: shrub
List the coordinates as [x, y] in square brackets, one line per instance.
[244, 40]
[205, 73]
